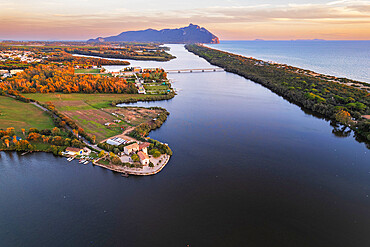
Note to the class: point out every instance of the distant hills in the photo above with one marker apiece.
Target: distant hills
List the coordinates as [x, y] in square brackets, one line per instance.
[189, 34]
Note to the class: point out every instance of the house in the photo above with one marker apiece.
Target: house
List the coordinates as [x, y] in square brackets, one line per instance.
[116, 141]
[144, 147]
[3, 71]
[108, 124]
[86, 151]
[144, 158]
[131, 148]
[137, 69]
[74, 151]
[127, 73]
[16, 71]
[117, 121]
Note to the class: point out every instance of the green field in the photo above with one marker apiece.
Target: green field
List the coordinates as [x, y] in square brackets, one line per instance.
[14, 113]
[90, 111]
[98, 100]
[87, 71]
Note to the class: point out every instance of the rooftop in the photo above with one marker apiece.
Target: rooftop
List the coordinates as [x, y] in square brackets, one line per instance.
[142, 155]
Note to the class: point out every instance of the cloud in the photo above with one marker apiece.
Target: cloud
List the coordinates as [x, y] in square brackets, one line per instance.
[336, 15]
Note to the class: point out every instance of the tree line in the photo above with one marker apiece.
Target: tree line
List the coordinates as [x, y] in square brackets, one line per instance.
[334, 100]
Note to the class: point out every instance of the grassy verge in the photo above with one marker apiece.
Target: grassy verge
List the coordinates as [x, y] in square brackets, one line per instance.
[14, 113]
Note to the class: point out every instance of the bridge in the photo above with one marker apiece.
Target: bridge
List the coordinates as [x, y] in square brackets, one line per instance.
[194, 70]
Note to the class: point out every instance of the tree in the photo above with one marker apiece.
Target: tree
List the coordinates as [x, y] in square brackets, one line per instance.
[34, 136]
[55, 131]
[76, 143]
[33, 130]
[116, 160]
[10, 131]
[344, 117]
[101, 154]
[22, 145]
[6, 141]
[93, 138]
[156, 154]
[15, 139]
[135, 158]
[24, 132]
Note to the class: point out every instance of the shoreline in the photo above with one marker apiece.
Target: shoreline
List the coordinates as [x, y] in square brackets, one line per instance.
[135, 171]
[319, 93]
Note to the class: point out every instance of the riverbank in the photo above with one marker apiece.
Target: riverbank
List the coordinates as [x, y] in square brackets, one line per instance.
[145, 171]
[335, 98]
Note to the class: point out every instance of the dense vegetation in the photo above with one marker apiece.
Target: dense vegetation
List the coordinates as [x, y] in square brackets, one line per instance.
[52, 78]
[337, 101]
[13, 53]
[143, 129]
[46, 140]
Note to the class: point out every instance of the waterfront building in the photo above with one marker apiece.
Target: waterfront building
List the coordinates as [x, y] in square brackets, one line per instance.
[144, 158]
[74, 151]
[129, 149]
[144, 147]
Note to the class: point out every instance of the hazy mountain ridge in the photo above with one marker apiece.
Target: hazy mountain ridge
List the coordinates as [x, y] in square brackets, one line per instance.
[189, 34]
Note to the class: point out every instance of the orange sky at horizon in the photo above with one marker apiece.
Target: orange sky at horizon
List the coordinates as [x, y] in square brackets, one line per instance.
[338, 20]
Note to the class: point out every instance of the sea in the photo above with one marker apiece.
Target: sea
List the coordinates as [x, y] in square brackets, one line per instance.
[249, 169]
[350, 59]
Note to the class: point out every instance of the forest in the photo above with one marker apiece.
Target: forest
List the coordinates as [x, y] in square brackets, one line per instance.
[337, 101]
[52, 78]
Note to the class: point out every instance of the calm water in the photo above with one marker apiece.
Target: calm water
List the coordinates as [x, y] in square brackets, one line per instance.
[339, 58]
[249, 169]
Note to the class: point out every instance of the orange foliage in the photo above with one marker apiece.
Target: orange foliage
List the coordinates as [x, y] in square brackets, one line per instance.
[51, 78]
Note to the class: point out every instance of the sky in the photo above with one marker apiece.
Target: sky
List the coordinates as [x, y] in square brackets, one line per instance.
[228, 19]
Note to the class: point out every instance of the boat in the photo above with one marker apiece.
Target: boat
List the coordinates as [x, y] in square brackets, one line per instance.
[82, 160]
[86, 162]
[124, 175]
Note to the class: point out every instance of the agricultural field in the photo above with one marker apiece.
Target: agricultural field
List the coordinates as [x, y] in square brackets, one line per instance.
[98, 100]
[87, 71]
[94, 113]
[14, 113]
[156, 88]
[135, 115]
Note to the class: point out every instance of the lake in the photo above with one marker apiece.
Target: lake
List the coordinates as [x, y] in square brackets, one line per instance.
[249, 169]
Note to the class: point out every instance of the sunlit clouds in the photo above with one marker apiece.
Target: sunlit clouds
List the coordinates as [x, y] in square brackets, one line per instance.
[80, 20]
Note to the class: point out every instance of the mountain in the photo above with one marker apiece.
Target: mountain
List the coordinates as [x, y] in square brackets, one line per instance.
[189, 34]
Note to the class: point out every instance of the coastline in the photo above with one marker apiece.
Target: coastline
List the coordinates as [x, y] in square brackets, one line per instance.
[338, 99]
[135, 171]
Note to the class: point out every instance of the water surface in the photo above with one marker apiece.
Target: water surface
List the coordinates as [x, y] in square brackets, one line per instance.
[348, 59]
[249, 169]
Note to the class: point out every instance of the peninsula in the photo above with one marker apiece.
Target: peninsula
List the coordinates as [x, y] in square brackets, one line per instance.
[189, 34]
[51, 101]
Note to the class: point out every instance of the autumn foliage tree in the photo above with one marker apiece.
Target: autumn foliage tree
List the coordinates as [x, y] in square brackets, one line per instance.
[52, 78]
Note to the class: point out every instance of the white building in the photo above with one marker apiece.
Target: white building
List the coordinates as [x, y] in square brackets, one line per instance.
[131, 148]
[116, 141]
[144, 158]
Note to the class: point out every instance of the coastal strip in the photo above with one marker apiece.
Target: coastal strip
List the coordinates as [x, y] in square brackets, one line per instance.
[342, 100]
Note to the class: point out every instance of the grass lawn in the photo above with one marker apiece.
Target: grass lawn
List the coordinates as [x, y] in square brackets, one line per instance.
[98, 100]
[14, 113]
[87, 71]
